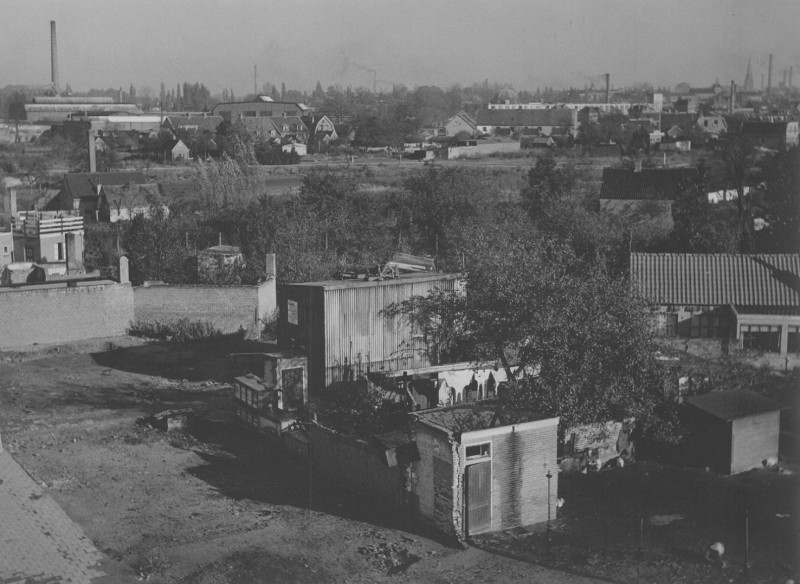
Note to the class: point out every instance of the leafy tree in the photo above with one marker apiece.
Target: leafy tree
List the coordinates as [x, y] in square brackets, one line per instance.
[700, 226]
[737, 155]
[546, 183]
[528, 297]
[779, 199]
[438, 198]
[160, 248]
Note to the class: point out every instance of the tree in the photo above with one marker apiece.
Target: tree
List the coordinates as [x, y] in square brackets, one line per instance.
[546, 183]
[438, 198]
[737, 157]
[779, 199]
[699, 226]
[582, 335]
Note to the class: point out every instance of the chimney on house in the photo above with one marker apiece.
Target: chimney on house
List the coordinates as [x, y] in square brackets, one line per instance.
[53, 56]
[271, 271]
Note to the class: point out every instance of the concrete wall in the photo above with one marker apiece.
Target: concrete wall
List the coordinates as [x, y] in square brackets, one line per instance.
[228, 308]
[56, 313]
[356, 467]
[482, 150]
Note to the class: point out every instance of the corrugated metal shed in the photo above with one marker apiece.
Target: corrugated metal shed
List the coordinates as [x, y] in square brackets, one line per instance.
[341, 326]
[717, 279]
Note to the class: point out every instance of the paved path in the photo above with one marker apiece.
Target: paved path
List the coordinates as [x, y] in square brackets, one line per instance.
[39, 543]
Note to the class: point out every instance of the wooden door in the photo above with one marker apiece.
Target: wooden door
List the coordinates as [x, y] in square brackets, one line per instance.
[479, 497]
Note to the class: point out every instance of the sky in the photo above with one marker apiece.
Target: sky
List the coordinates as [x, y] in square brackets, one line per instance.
[528, 43]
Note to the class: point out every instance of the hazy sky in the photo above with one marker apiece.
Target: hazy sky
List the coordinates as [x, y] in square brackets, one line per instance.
[529, 43]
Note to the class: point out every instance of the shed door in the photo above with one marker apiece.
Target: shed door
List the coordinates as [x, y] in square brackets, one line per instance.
[479, 497]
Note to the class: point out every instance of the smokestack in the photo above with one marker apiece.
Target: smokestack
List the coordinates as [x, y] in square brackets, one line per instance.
[255, 80]
[790, 76]
[608, 88]
[53, 56]
[92, 152]
[769, 75]
[732, 97]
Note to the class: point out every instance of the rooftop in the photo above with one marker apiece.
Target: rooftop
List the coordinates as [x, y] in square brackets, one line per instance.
[403, 279]
[660, 184]
[731, 405]
[475, 417]
[717, 279]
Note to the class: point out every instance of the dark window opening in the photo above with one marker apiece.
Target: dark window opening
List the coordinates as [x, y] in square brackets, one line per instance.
[763, 338]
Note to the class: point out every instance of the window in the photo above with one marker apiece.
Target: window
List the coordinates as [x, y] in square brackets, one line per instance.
[29, 253]
[58, 252]
[793, 340]
[479, 451]
[5, 250]
[766, 338]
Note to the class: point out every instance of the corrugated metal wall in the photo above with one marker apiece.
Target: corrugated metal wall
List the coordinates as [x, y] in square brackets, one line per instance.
[359, 336]
[341, 327]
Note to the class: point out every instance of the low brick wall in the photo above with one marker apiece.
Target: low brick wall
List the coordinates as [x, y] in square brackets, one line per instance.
[228, 308]
[55, 313]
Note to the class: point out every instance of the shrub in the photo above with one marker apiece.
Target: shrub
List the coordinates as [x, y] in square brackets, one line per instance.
[177, 331]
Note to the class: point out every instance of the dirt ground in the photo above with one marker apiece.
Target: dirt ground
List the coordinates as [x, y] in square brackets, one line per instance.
[205, 506]
[212, 504]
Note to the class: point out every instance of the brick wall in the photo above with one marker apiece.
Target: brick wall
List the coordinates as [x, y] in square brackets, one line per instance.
[433, 479]
[228, 308]
[57, 314]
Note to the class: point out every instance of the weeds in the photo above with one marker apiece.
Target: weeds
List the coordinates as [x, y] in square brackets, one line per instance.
[177, 331]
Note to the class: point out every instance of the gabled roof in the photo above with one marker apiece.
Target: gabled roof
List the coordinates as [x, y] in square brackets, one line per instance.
[730, 405]
[467, 119]
[657, 184]
[527, 117]
[717, 279]
[84, 184]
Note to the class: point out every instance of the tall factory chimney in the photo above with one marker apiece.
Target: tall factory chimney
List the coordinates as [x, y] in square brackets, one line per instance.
[608, 87]
[790, 76]
[53, 56]
[769, 75]
[732, 101]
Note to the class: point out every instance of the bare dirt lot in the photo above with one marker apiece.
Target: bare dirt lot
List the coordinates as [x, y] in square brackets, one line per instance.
[213, 504]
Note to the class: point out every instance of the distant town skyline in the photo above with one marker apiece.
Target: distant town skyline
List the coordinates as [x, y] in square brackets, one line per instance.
[529, 44]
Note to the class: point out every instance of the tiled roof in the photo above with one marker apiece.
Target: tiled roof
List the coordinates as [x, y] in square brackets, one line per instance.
[527, 117]
[649, 183]
[730, 405]
[717, 279]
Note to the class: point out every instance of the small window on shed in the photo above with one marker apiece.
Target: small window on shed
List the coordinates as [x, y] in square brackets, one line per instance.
[479, 451]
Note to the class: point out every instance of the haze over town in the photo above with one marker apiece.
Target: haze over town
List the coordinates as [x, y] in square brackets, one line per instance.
[529, 44]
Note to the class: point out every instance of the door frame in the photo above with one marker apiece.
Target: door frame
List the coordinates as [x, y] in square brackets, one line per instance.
[487, 459]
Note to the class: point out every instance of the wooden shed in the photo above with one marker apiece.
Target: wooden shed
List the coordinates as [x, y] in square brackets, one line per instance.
[733, 431]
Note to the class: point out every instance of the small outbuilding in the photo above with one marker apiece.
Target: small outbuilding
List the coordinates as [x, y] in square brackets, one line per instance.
[483, 469]
[733, 431]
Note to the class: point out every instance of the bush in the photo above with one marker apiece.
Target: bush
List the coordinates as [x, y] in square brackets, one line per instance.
[177, 331]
